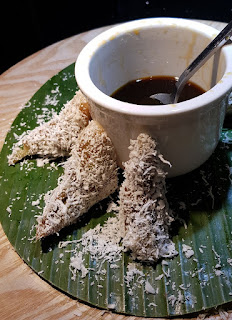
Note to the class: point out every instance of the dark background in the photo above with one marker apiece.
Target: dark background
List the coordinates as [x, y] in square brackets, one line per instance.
[30, 25]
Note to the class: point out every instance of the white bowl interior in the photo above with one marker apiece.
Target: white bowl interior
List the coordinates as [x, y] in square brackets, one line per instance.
[150, 51]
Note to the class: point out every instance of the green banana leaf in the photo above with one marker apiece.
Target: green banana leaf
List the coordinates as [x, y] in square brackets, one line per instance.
[198, 278]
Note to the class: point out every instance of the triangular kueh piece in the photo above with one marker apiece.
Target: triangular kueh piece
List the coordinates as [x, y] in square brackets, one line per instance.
[56, 137]
[90, 175]
[144, 212]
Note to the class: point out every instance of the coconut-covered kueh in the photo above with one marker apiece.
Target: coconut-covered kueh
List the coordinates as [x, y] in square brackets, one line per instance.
[90, 175]
[144, 211]
[56, 137]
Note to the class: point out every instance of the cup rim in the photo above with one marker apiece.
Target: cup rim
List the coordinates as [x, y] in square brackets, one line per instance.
[89, 89]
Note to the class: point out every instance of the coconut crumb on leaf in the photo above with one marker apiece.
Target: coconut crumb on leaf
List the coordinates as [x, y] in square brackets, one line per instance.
[90, 175]
[144, 210]
[56, 137]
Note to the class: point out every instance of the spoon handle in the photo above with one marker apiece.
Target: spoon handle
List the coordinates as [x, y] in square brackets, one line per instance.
[207, 53]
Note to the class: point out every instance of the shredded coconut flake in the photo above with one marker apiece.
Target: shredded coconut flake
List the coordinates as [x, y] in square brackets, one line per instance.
[187, 250]
[102, 243]
[77, 264]
[149, 288]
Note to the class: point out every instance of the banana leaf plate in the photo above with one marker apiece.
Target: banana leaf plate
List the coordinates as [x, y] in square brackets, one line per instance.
[198, 278]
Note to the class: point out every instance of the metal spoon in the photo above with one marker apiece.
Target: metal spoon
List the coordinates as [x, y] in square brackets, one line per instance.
[222, 38]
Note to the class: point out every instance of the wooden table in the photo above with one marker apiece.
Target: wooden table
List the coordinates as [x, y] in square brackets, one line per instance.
[23, 294]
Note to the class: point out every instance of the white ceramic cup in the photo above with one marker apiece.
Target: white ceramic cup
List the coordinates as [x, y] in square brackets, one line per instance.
[187, 132]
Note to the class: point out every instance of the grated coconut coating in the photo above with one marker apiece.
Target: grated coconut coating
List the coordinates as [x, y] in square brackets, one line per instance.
[56, 137]
[90, 175]
[144, 212]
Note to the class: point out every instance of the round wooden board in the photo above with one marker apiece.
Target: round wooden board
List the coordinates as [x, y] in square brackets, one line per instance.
[23, 294]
